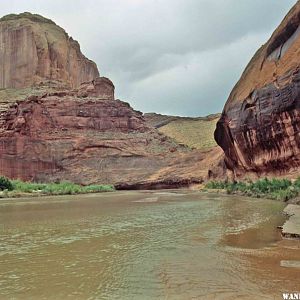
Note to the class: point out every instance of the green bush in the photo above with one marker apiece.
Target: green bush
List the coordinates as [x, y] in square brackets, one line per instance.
[279, 189]
[27, 187]
[98, 188]
[61, 188]
[216, 185]
[297, 183]
[5, 184]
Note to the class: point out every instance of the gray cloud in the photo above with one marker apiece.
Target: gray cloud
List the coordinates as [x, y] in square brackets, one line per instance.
[170, 56]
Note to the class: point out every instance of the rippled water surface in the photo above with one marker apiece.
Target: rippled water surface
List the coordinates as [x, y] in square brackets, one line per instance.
[145, 245]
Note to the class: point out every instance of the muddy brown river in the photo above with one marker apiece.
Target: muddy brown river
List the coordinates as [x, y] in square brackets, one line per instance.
[145, 245]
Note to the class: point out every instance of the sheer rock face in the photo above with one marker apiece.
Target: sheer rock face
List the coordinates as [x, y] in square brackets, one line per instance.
[259, 127]
[34, 49]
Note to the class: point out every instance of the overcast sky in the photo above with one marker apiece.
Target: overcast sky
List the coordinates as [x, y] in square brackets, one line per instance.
[178, 57]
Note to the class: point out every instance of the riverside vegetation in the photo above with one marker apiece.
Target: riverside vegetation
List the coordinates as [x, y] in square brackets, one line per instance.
[18, 188]
[278, 189]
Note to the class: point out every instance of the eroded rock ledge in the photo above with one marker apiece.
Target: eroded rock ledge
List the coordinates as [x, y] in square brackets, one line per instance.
[167, 183]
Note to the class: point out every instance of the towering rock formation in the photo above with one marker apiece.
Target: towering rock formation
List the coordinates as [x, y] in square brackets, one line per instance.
[260, 123]
[35, 49]
[60, 121]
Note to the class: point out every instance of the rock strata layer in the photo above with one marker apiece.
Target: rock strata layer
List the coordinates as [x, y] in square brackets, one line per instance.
[39, 134]
[79, 136]
[259, 127]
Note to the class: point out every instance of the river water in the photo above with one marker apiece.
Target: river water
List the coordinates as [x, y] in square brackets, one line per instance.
[145, 245]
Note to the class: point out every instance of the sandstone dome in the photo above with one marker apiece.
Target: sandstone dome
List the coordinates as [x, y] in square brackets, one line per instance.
[34, 49]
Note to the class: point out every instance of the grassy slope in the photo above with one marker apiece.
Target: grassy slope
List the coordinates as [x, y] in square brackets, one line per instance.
[277, 189]
[193, 133]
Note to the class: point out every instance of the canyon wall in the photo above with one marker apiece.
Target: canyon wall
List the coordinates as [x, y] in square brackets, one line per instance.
[259, 127]
[60, 121]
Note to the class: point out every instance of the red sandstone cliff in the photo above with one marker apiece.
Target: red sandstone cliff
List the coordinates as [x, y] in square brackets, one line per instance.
[59, 120]
[259, 129]
[34, 49]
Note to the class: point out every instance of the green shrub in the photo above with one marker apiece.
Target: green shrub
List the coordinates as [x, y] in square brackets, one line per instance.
[216, 185]
[98, 188]
[5, 184]
[279, 189]
[297, 183]
[290, 193]
[61, 188]
[27, 187]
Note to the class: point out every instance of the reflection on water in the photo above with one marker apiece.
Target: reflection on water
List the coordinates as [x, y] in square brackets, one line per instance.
[145, 245]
